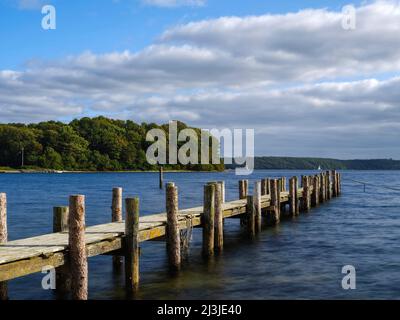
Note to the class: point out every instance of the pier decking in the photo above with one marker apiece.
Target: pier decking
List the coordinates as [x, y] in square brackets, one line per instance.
[26, 256]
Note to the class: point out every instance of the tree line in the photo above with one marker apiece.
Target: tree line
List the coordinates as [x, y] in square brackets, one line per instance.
[297, 163]
[93, 144]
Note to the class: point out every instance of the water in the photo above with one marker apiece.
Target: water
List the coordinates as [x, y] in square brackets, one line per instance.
[301, 258]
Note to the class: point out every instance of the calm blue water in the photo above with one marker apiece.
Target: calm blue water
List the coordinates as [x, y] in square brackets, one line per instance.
[299, 259]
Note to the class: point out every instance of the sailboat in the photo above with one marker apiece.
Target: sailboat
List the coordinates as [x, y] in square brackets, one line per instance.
[319, 168]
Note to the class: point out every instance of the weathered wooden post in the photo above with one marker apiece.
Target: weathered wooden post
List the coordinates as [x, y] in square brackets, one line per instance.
[246, 187]
[275, 200]
[334, 184]
[322, 187]
[77, 248]
[173, 233]
[305, 200]
[339, 183]
[315, 191]
[3, 239]
[257, 205]
[283, 184]
[63, 273]
[293, 196]
[219, 218]
[208, 220]
[296, 184]
[243, 193]
[263, 187]
[242, 189]
[132, 245]
[223, 195]
[161, 177]
[310, 185]
[116, 216]
[328, 185]
[60, 219]
[251, 216]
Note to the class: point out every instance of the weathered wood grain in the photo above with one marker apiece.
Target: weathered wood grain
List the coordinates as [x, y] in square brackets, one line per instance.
[173, 235]
[3, 239]
[77, 248]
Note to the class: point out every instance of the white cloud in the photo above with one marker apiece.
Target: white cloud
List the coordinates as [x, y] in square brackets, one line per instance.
[304, 46]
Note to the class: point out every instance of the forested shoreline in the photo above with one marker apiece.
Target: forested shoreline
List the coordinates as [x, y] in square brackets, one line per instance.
[103, 144]
[87, 144]
[298, 163]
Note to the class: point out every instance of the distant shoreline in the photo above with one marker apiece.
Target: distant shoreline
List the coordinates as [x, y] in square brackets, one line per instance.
[14, 171]
[50, 171]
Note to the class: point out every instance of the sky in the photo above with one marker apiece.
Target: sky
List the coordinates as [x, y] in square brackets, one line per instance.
[287, 69]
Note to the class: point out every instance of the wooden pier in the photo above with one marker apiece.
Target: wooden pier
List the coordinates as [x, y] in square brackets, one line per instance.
[69, 249]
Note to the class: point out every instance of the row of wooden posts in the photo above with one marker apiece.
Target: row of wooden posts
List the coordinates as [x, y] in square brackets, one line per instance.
[73, 276]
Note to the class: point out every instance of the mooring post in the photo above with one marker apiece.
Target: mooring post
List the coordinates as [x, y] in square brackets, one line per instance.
[116, 216]
[173, 233]
[315, 191]
[208, 220]
[263, 187]
[242, 190]
[337, 183]
[275, 200]
[161, 177]
[310, 184]
[243, 193]
[222, 183]
[219, 219]
[60, 219]
[77, 248]
[63, 273]
[246, 188]
[283, 184]
[257, 205]
[279, 184]
[296, 186]
[322, 187]
[328, 185]
[3, 239]
[132, 245]
[334, 184]
[305, 200]
[293, 196]
[251, 216]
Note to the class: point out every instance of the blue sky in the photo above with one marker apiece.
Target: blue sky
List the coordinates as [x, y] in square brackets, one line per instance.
[287, 69]
[113, 25]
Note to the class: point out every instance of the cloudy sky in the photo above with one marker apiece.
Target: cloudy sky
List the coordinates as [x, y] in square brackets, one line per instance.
[288, 69]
